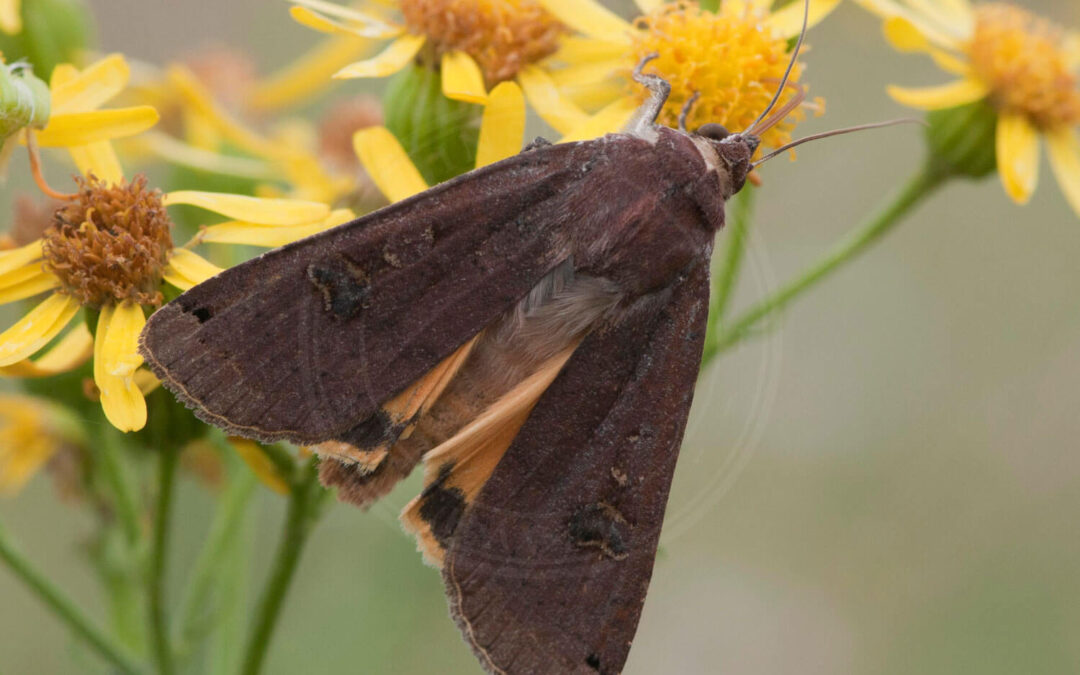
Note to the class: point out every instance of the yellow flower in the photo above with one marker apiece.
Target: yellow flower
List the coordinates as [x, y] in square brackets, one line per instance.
[733, 59]
[476, 44]
[31, 432]
[501, 132]
[11, 16]
[1024, 66]
[109, 250]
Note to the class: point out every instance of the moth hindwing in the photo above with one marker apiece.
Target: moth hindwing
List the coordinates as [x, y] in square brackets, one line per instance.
[531, 331]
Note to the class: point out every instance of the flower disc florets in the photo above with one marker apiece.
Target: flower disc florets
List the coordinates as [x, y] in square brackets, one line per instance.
[502, 36]
[110, 243]
[730, 57]
[1022, 58]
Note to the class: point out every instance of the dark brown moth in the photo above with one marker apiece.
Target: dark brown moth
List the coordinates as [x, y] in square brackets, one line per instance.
[530, 331]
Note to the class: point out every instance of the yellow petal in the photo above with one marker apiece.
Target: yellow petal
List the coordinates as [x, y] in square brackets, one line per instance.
[589, 17]
[146, 381]
[396, 56]
[98, 159]
[1065, 160]
[253, 209]
[609, 120]
[588, 73]
[37, 328]
[1017, 156]
[561, 113]
[788, 21]
[73, 350]
[387, 163]
[253, 234]
[956, 15]
[905, 37]
[462, 79]
[184, 154]
[960, 92]
[370, 28]
[310, 74]
[10, 16]
[260, 464]
[950, 37]
[575, 50]
[346, 13]
[187, 270]
[26, 283]
[503, 127]
[647, 6]
[20, 257]
[90, 88]
[116, 358]
[100, 125]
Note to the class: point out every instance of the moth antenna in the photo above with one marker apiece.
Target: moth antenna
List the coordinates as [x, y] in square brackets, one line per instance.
[837, 132]
[787, 73]
[783, 112]
[660, 89]
[684, 114]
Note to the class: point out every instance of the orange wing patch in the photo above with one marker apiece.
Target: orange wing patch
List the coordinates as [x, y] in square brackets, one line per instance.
[456, 470]
[402, 413]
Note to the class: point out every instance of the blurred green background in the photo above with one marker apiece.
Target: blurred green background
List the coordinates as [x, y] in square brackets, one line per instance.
[887, 483]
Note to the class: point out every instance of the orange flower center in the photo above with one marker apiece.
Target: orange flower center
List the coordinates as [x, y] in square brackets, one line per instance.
[110, 243]
[731, 57]
[1024, 60]
[503, 36]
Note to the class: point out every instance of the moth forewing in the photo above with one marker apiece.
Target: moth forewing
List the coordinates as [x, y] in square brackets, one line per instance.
[582, 267]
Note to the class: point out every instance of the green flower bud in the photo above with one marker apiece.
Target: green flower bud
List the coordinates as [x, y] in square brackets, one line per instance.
[963, 139]
[439, 134]
[24, 100]
[53, 32]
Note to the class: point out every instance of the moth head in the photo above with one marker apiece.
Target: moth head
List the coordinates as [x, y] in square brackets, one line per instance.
[734, 152]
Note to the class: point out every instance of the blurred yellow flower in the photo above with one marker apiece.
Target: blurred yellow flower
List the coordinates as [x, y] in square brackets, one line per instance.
[733, 59]
[502, 129]
[110, 247]
[476, 44]
[1025, 66]
[11, 16]
[31, 432]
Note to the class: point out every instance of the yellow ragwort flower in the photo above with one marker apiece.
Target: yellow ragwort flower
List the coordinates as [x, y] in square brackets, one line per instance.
[733, 59]
[476, 44]
[1026, 67]
[109, 249]
[502, 130]
[11, 16]
[31, 432]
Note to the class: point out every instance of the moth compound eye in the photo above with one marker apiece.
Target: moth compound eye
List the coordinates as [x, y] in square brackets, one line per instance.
[716, 132]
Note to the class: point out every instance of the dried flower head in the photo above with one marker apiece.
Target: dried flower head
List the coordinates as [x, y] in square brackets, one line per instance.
[111, 243]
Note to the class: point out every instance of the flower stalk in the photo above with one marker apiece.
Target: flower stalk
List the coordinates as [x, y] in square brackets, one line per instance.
[64, 608]
[929, 178]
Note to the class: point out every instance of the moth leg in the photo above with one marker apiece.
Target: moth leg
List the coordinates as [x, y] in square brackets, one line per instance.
[687, 108]
[660, 89]
[538, 142]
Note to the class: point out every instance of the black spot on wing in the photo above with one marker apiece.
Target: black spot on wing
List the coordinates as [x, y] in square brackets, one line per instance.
[441, 507]
[343, 286]
[601, 526]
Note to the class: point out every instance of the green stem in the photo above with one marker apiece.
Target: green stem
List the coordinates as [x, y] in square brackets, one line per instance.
[159, 629]
[202, 601]
[737, 233]
[918, 188]
[119, 480]
[64, 608]
[304, 502]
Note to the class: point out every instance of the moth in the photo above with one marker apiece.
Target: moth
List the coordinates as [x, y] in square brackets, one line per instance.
[530, 332]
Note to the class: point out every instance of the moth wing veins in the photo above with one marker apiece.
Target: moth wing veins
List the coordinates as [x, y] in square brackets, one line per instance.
[549, 565]
[456, 470]
[305, 343]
